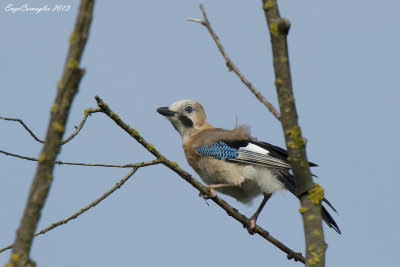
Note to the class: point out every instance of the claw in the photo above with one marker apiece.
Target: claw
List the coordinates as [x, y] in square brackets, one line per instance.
[253, 218]
[252, 225]
[212, 194]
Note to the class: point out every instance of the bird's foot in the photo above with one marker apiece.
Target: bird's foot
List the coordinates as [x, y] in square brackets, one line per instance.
[252, 225]
[253, 219]
[212, 194]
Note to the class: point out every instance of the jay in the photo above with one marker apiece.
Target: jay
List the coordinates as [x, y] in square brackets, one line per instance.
[232, 161]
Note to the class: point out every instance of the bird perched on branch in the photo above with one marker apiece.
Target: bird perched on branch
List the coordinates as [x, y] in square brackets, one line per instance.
[231, 161]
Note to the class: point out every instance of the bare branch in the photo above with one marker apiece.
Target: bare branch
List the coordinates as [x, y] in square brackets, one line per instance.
[232, 66]
[310, 194]
[129, 165]
[67, 88]
[195, 183]
[87, 112]
[25, 126]
[197, 20]
[18, 156]
[94, 203]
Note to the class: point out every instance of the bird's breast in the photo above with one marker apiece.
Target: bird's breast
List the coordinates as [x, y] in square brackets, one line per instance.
[246, 180]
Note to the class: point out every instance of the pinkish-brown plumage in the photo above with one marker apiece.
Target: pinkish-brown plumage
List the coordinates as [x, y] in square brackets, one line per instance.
[232, 161]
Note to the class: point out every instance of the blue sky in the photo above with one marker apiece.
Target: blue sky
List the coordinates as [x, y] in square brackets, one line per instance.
[145, 54]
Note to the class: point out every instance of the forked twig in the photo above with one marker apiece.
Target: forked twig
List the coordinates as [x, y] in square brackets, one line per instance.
[87, 112]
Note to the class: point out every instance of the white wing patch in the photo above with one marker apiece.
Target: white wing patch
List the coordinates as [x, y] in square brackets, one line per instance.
[254, 154]
[254, 148]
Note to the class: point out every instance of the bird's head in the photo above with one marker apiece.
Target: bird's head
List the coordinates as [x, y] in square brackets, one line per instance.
[187, 116]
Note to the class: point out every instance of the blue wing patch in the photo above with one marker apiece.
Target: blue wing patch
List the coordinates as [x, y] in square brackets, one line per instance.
[218, 150]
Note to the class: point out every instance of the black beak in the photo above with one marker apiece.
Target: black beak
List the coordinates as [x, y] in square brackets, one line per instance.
[166, 112]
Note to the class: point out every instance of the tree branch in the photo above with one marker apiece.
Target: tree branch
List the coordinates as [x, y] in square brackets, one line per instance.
[25, 126]
[232, 66]
[67, 88]
[94, 203]
[195, 183]
[87, 112]
[58, 162]
[309, 193]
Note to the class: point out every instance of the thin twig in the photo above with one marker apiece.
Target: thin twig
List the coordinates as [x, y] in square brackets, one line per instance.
[59, 162]
[232, 66]
[87, 112]
[91, 205]
[25, 126]
[18, 156]
[195, 183]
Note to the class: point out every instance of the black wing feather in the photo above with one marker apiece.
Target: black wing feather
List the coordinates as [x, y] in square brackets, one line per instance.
[288, 180]
[329, 220]
[277, 151]
[237, 144]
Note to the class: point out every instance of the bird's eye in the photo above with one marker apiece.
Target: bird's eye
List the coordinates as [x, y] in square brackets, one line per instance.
[189, 109]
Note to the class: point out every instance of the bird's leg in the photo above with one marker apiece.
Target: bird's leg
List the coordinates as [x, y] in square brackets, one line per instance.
[253, 218]
[212, 188]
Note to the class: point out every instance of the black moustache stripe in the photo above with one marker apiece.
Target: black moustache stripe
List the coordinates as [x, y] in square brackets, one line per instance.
[186, 121]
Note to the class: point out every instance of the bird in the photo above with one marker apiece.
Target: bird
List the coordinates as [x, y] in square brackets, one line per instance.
[233, 162]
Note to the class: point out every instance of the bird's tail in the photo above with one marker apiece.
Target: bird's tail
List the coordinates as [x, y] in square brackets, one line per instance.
[288, 180]
[328, 218]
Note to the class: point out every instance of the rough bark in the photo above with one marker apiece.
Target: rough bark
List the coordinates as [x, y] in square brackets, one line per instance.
[310, 194]
[67, 88]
